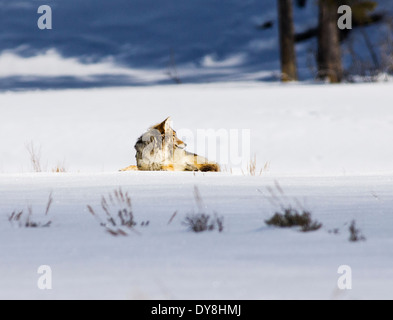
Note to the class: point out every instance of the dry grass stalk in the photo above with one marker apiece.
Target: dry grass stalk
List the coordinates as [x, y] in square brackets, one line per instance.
[16, 217]
[252, 168]
[119, 215]
[172, 217]
[60, 168]
[35, 157]
[289, 215]
[354, 233]
[48, 205]
[201, 221]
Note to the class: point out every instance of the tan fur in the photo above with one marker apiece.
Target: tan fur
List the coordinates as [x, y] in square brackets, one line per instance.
[159, 149]
[130, 168]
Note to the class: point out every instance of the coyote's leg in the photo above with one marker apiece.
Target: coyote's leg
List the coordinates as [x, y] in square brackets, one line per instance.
[169, 167]
[130, 168]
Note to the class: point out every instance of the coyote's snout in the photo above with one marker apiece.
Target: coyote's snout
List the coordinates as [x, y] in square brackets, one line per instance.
[160, 149]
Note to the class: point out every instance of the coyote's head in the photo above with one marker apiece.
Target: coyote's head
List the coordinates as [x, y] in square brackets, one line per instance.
[158, 145]
[167, 135]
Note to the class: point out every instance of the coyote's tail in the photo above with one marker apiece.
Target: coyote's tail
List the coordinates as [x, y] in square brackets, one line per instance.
[209, 167]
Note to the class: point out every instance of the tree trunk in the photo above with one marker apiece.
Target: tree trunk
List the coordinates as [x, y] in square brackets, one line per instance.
[287, 41]
[329, 51]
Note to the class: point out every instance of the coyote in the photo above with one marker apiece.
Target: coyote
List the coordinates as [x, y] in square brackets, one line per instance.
[159, 149]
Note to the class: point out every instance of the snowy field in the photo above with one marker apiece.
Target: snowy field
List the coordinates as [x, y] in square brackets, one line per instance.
[296, 129]
[330, 147]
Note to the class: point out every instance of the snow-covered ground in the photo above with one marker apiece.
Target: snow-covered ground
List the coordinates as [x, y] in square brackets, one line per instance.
[327, 146]
[246, 261]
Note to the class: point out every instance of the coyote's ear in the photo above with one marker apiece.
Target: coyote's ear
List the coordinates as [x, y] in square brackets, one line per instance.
[163, 126]
[167, 123]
